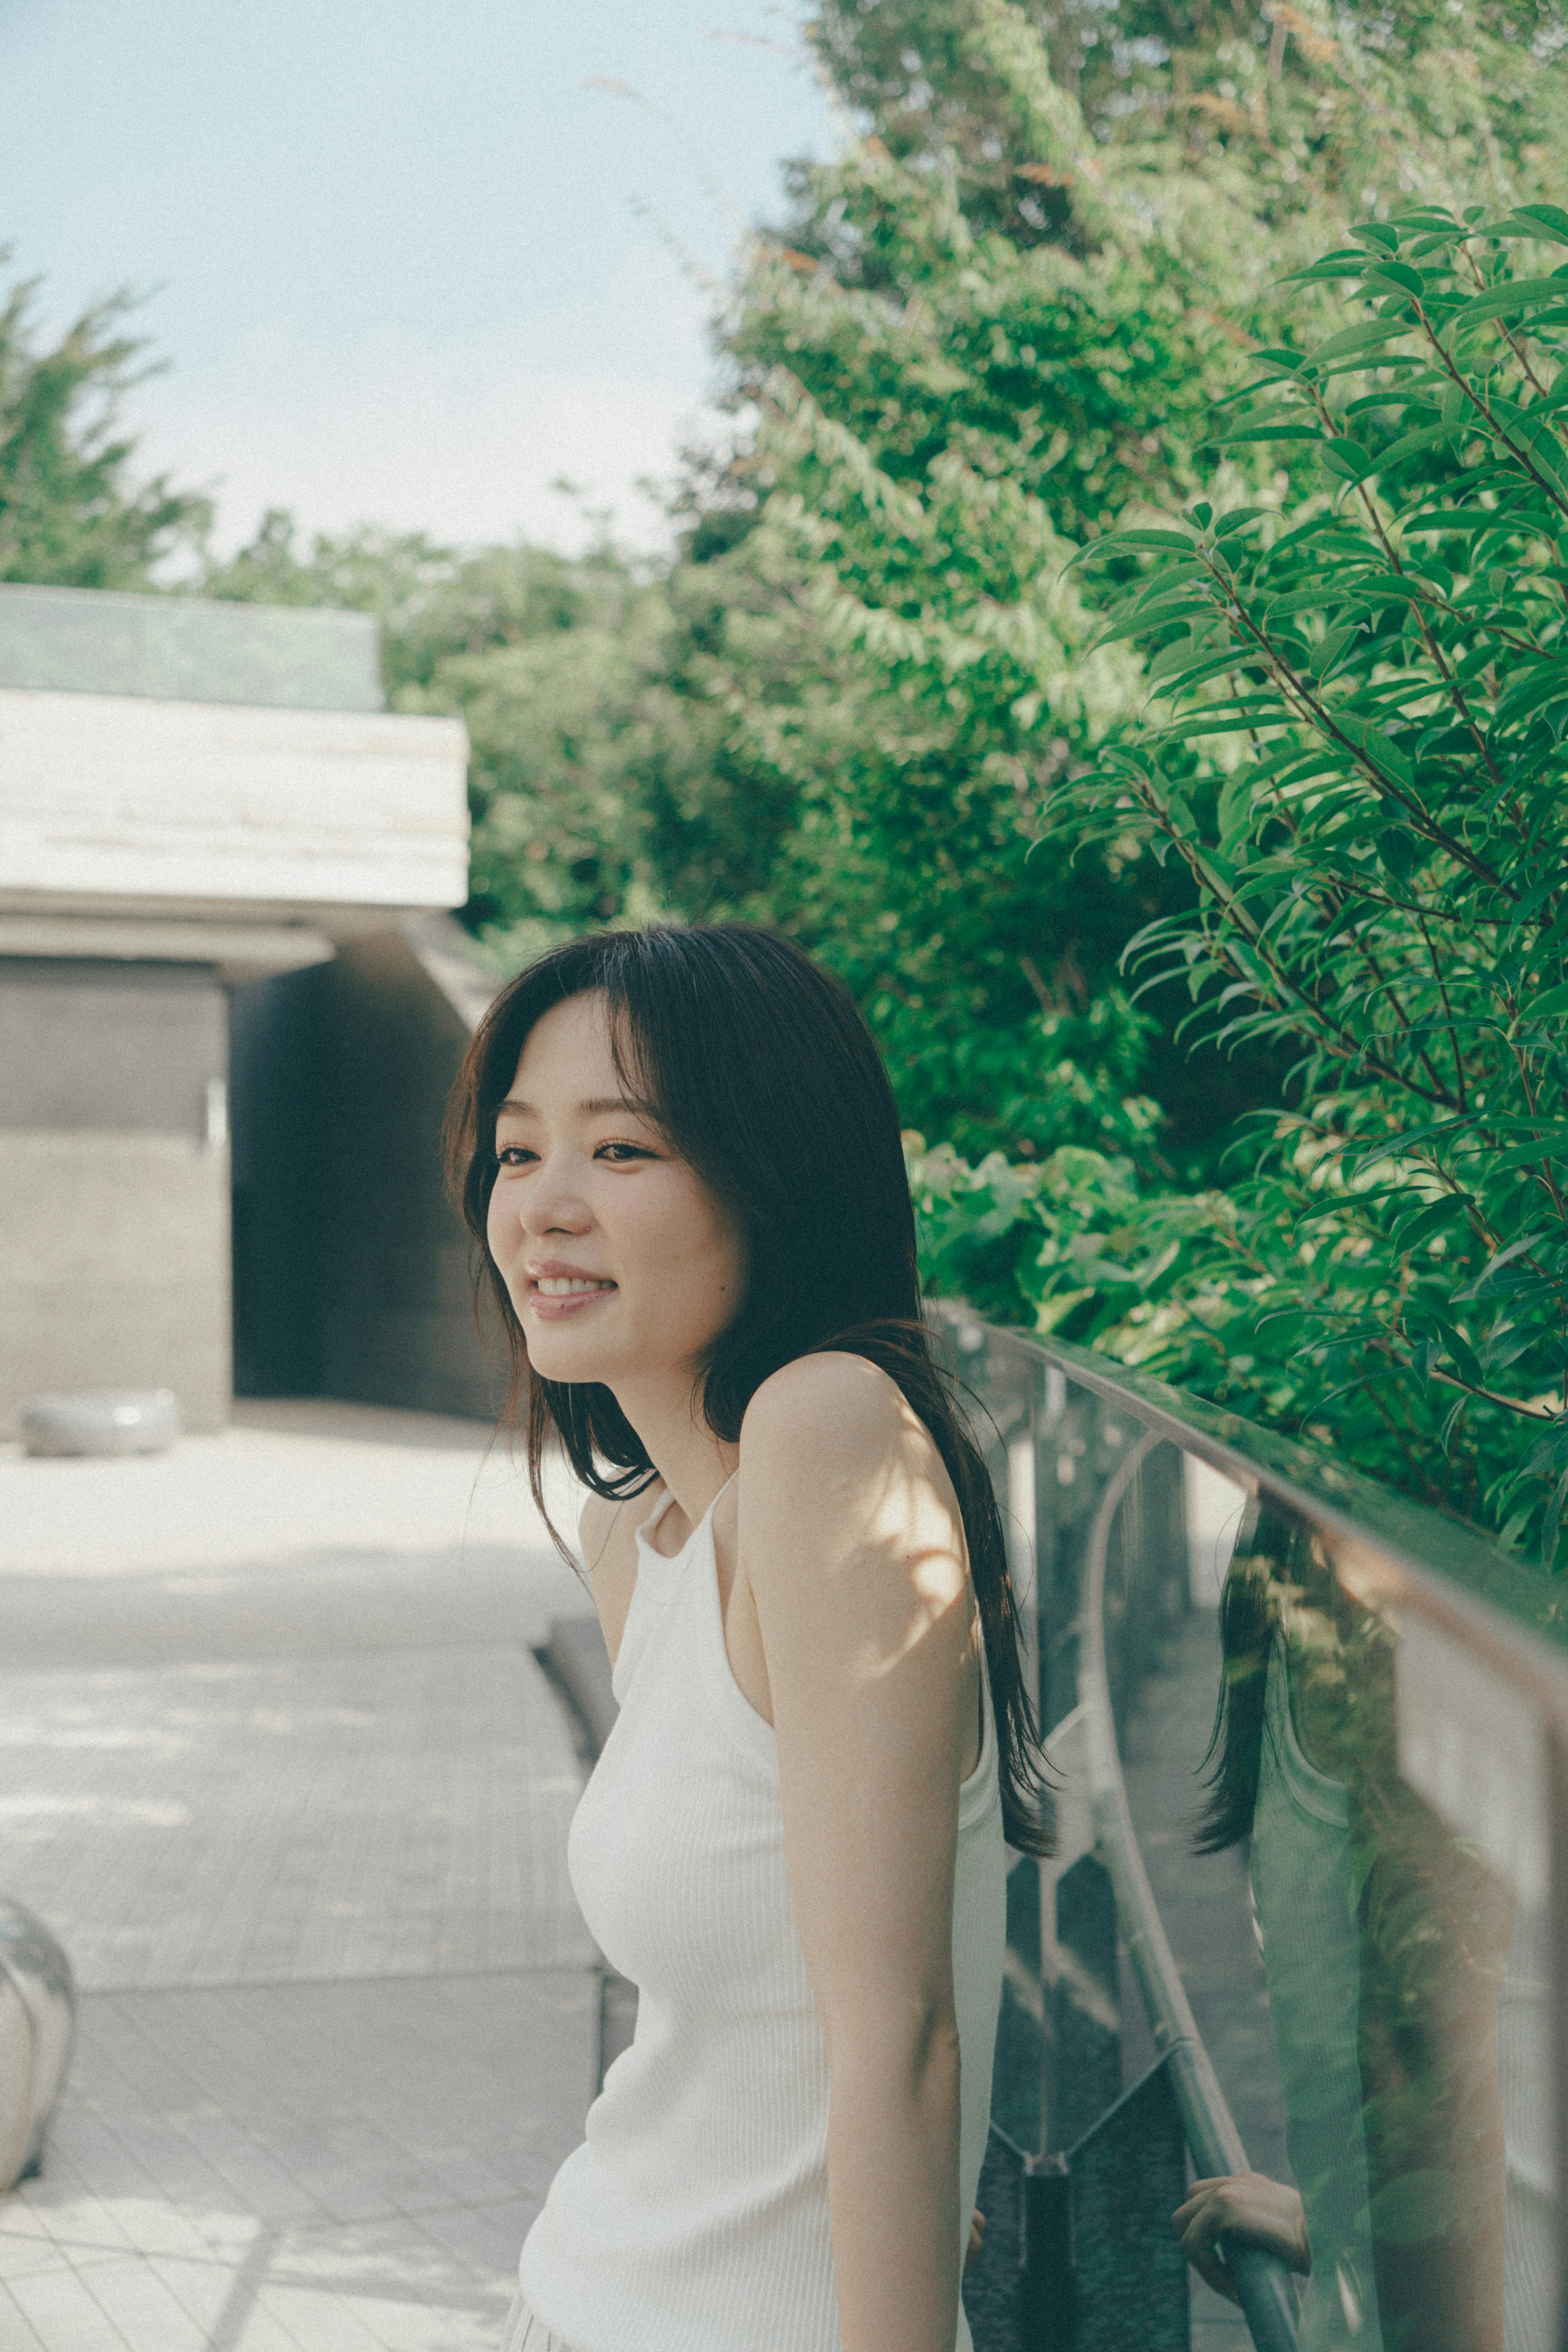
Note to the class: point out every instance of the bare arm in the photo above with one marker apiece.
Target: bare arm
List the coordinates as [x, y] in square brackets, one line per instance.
[851, 1541]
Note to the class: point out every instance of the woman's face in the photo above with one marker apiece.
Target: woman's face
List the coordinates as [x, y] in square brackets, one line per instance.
[619, 1261]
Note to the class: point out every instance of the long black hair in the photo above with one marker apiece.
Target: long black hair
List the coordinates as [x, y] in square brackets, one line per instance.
[1269, 1549]
[766, 1082]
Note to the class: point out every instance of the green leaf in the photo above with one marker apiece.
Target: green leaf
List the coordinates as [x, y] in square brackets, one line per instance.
[1346, 459]
[1302, 600]
[1546, 682]
[1411, 444]
[1399, 275]
[1325, 654]
[1377, 747]
[1522, 294]
[1361, 340]
[1173, 538]
[1541, 220]
[1455, 519]
[1264, 433]
[1334, 265]
[1181, 650]
[1431, 1220]
[1554, 1145]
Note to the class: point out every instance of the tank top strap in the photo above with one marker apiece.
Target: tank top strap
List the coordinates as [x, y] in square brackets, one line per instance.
[659, 1575]
[650, 1589]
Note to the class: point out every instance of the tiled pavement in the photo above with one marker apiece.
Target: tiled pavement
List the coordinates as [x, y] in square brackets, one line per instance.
[257, 1822]
[305, 2167]
[296, 1803]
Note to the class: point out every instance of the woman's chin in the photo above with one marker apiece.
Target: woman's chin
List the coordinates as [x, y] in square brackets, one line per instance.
[557, 1352]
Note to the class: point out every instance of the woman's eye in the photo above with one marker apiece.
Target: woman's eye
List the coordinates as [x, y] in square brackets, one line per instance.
[514, 1155]
[619, 1153]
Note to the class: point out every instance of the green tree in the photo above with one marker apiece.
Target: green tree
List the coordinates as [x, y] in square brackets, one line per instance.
[990, 328]
[71, 513]
[1357, 751]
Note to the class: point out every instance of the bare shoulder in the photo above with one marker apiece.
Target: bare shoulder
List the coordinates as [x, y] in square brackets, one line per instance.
[830, 1424]
[832, 1398]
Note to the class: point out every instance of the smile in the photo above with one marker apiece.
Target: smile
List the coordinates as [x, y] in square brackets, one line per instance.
[567, 1286]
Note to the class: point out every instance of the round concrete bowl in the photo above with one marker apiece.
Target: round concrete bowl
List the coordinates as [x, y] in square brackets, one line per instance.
[38, 2028]
[111, 1421]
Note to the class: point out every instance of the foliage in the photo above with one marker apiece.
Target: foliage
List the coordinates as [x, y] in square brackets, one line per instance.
[1359, 759]
[70, 515]
[1315, 104]
[986, 335]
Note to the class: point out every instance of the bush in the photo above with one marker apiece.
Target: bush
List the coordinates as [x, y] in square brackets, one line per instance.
[1357, 754]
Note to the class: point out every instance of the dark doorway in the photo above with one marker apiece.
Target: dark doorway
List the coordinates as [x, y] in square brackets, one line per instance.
[279, 1111]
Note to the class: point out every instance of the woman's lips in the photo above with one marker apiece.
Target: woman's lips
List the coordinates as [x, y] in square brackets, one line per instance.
[562, 1306]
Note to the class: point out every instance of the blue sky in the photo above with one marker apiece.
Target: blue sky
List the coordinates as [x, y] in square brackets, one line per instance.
[404, 264]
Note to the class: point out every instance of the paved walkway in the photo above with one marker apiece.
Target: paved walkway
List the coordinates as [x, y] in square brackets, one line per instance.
[280, 1769]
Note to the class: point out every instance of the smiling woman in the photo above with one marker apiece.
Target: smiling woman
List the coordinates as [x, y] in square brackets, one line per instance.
[616, 1258]
[679, 1155]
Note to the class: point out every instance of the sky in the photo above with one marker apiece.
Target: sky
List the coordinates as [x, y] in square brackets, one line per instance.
[409, 261]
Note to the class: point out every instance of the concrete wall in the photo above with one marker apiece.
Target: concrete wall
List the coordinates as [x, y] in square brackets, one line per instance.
[114, 1177]
[111, 802]
[192, 797]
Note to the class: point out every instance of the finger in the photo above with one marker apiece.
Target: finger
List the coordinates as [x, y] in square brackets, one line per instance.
[1203, 2202]
[1198, 2244]
[1213, 2272]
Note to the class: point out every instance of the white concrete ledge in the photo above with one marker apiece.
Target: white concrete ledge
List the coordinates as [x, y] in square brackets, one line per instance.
[240, 952]
[120, 797]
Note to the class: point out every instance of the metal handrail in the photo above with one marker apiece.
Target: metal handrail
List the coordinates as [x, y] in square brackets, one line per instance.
[1262, 2283]
[1485, 1639]
[1403, 1551]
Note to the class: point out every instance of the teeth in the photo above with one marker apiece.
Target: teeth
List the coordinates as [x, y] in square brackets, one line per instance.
[554, 1286]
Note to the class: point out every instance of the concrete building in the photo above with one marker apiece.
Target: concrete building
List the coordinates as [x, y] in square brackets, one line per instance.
[231, 1000]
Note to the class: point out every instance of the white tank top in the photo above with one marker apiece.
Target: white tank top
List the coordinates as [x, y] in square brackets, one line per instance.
[1303, 1889]
[694, 2216]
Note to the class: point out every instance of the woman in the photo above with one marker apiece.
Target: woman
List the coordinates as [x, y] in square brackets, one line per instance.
[679, 1154]
[1384, 1942]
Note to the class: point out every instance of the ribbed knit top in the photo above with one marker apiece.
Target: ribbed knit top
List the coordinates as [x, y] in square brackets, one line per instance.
[694, 2218]
[1303, 1890]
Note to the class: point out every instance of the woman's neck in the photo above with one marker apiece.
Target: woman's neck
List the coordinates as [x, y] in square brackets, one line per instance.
[692, 1462]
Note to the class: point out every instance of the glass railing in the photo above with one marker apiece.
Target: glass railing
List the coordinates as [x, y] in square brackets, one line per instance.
[1354, 1994]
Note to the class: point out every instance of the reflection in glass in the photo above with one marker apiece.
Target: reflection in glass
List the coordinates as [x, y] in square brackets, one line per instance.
[1408, 2013]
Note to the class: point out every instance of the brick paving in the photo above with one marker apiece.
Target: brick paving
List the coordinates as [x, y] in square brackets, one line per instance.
[278, 1765]
[248, 1822]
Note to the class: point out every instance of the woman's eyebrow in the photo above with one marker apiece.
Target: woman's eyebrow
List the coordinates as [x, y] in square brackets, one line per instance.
[593, 1108]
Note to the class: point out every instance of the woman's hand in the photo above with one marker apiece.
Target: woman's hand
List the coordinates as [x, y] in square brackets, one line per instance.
[1247, 2206]
[977, 2242]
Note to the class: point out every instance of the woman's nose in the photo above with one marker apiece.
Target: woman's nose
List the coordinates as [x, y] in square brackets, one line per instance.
[553, 1204]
